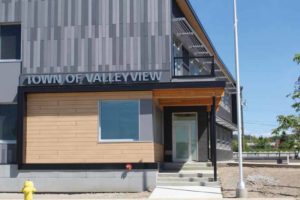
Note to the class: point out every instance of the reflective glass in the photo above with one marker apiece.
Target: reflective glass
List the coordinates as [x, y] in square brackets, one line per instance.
[8, 122]
[119, 120]
[10, 41]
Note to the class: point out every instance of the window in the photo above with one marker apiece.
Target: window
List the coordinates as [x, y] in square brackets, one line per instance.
[119, 120]
[8, 122]
[10, 42]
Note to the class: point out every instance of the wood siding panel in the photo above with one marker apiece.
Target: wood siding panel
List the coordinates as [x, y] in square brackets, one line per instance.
[158, 152]
[63, 128]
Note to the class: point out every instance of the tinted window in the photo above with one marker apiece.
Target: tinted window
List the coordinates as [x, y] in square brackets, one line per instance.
[10, 42]
[8, 122]
[119, 120]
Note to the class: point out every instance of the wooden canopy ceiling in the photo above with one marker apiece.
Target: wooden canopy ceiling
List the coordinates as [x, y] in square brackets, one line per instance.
[188, 96]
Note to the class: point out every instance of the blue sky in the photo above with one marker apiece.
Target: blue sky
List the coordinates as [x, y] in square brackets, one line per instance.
[269, 36]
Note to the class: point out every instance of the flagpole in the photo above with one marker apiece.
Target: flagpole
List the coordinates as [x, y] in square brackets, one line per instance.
[241, 191]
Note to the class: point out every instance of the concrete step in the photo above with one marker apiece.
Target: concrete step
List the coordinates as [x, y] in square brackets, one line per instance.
[186, 179]
[208, 174]
[186, 166]
[196, 168]
[183, 183]
[199, 164]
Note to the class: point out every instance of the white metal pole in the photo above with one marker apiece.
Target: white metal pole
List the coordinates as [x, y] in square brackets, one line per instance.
[241, 191]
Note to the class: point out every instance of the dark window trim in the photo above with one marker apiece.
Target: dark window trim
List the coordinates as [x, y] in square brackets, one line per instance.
[20, 53]
[12, 141]
[167, 120]
[100, 139]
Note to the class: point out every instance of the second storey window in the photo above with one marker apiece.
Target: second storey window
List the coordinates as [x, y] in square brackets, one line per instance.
[10, 42]
[8, 122]
[119, 120]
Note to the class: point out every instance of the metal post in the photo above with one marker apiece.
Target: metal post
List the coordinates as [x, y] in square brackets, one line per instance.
[241, 191]
[242, 119]
[214, 138]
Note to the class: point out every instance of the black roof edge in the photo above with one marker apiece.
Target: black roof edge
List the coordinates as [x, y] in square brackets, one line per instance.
[209, 40]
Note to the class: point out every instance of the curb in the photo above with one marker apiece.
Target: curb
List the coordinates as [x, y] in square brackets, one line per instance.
[259, 165]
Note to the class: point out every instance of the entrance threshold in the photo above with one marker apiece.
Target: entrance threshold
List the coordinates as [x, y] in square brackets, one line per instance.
[186, 180]
[186, 192]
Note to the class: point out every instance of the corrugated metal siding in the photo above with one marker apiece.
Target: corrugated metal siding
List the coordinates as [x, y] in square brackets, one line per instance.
[92, 35]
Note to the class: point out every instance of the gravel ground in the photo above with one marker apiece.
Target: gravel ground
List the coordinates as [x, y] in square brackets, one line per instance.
[142, 195]
[262, 182]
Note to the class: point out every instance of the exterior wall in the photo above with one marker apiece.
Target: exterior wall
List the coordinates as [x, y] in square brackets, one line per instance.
[158, 133]
[157, 124]
[223, 155]
[12, 180]
[158, 152]
[9, 81]
[11, 11]
[63, 128]
[225, 109]
[92, 36]
[7, 153]
[203, 135]
[224, 142]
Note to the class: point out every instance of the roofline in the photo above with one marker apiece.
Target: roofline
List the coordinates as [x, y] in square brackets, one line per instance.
[210, 42]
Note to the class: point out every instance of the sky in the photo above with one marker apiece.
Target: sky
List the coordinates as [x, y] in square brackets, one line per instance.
[269, 37]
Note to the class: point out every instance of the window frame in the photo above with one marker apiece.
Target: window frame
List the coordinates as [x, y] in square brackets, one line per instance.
[9, 141]
[12, 60]
[100, 140]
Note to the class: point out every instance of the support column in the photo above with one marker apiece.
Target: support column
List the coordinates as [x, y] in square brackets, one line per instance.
[213, 138]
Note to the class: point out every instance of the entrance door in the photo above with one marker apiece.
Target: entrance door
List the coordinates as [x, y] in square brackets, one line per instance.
[185, 137]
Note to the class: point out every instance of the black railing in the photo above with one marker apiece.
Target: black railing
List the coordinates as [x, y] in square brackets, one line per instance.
[193, 67]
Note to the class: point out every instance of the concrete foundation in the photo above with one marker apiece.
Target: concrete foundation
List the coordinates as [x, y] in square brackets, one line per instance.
[56, 181]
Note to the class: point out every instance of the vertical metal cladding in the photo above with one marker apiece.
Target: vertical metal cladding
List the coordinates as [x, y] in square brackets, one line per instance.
[91, 35]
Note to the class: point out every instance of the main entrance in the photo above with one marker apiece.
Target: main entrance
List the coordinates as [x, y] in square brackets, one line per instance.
[184, 136]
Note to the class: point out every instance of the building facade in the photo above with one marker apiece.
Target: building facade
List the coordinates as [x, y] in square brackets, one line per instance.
[89, 86]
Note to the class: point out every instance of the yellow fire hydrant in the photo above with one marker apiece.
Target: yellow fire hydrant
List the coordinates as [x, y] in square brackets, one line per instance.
[28, 190]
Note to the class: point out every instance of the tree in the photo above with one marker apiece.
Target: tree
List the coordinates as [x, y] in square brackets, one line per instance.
[262, 144]
[290, 122]
[297, 58]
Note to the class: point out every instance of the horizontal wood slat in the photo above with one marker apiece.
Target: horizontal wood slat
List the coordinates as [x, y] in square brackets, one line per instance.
[63, 128]
[188, 93]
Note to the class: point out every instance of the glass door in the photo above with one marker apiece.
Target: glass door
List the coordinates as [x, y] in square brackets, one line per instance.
[185, 134]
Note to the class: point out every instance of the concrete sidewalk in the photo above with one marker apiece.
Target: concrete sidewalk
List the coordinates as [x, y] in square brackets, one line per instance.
[83, 196]
[186, 192]
[19, 196]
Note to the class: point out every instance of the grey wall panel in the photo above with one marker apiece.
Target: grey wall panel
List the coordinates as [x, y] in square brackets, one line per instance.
[225, 110]
[80, 181]
[157, 124]
[10, 10]
[8, 153]
[9, 80]
[92, 35]
[146, 120]
[202, 136]
[224, 138]
[223, 155]
[224, 114]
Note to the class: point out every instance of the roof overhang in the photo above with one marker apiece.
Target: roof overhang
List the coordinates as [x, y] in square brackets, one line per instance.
[188, 96]
[195, 23]
[226, 124]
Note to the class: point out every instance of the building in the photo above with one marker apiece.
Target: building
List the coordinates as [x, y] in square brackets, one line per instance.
[93, 85]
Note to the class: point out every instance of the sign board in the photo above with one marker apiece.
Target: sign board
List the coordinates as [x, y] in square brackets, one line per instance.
[90, 78]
